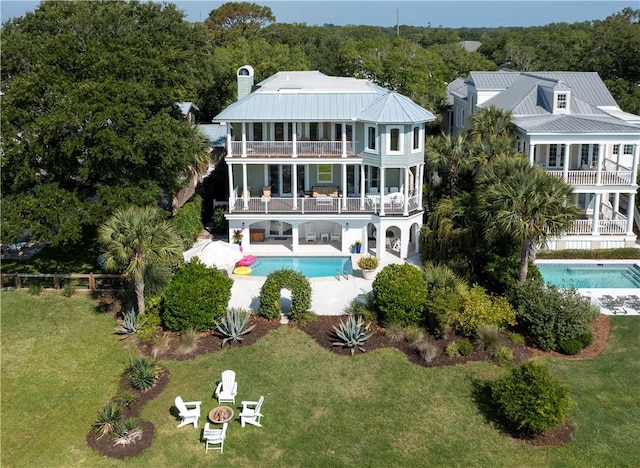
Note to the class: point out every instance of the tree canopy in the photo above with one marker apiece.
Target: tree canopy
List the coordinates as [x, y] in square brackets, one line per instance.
[89, 120]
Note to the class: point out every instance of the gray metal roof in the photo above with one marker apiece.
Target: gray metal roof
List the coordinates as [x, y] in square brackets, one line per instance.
[215, 133]
[574, 124]
[492, 80]
[315, 97]
[186, 106]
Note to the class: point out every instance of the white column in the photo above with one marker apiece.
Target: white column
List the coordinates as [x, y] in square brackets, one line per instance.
[532, 150]
[307, 186]
[244, 140]
[295, 232]
[566, 161]
[362, 186]
[230, 177]
[405, 193]
[344, 186]
[381, 211]
[616, 202]
[344, 139]
[294, 183]
[636, 160]
[294, 140]
[595, 224]
[420, 182]
[229, 142]
[245, 198]
[630, 212]
[381, 237]
[599, 164]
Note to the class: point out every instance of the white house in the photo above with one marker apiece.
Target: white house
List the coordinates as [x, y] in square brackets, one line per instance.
[316, 158]
[568, 123]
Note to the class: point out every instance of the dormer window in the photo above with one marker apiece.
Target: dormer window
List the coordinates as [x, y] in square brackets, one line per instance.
[561, 101]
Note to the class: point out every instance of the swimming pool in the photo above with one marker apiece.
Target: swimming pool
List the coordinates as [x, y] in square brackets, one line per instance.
[311, 267]
[591, 275]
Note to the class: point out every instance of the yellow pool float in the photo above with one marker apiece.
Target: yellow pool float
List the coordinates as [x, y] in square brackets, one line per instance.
[242, 270]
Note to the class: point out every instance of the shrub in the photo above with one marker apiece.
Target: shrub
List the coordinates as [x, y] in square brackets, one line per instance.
[160, 344]
[188, 341]
[69, 288]
[503, 353]
[124, 397]
[188, 222]
[465, 348]
[516, 338]
[368, 262]
[395, 332]
[480, 308]
[586, 339]
[129, 323]
[452, 349]
[107, 419]
[530, 399]
[570, 346]
[592, 254]
[352, 334]
[551, 315]
[426, 349]
[400, 295]
[292, 280]
[414, 334]
[127, 432]
[363, 306]
[142, 372]
[488, 339]
[196, 297]
[35, 288]
[442, 308]
[233, 326]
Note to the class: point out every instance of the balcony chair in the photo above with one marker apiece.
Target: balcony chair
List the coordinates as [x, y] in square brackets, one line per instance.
[250, 413]
[335, 235]
[188, 415]
[213, 437]
[227, 388]
[309, 234]
[266, 194]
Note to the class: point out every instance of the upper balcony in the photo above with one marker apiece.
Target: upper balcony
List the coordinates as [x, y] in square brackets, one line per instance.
[304, 149]
[612, 174]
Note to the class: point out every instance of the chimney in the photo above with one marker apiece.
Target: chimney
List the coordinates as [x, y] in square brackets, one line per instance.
[245, 81]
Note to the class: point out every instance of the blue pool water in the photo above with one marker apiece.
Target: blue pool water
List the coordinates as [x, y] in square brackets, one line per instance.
[311, 267]
[591, 275]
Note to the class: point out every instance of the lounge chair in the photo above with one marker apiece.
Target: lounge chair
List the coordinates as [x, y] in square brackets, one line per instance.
[227, 388]
[213, 437]
[309, 234]
[187, 414]
[250, 413]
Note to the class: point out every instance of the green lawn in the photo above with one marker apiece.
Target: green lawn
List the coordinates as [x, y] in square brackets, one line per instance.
[60, 362]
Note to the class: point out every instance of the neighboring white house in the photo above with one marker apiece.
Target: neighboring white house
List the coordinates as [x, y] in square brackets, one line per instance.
[568, 123]
[316, 158]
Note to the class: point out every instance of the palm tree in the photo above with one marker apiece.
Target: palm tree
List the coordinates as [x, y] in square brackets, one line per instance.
[525, 202]
[135, 238]
[450, 152]
[492, 133]
[441, 277]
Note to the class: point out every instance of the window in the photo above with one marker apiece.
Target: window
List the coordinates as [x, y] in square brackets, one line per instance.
[628, 149]
[279, 131]
[416, 138]
[257, 131]
[371, 138]
[561, 101]
[325, 173]
[616, 150]
[556, 155]
[394, 143]
[314, 134]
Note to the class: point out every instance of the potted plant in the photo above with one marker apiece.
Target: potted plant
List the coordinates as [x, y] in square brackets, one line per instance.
[237, 236]
[368, 263]
[358, 246]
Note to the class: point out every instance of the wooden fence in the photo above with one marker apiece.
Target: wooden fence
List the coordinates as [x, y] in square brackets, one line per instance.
[90, 281]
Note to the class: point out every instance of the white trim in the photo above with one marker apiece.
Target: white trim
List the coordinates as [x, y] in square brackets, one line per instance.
[401, 136]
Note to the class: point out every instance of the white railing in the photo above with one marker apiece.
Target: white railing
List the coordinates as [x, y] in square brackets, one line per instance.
[330, 205]
[605, 226]
[285, 148]
[589, 177]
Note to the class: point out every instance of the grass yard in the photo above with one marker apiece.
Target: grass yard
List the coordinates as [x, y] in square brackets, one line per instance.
[60, 362]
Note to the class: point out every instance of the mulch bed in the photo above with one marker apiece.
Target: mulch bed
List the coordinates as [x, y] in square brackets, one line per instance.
[322, 331]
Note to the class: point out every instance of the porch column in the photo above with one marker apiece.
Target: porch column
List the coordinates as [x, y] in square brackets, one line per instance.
[244, 140]
[229, 143]
[362, 186]
[420, 183]
[532, 152]
[344, 139]
[344, 186]
[230, 177]
[245, 198]
[404, 243]
[595, 222]
[405, 193]
[381, 211]
[307, 185]
[599, 166]
[616, 202]
[416, 238]
[294, 142]
[381, 236]
[636, 160]
[294, 183]
[630, 212]
[295, 232]
[566, 161]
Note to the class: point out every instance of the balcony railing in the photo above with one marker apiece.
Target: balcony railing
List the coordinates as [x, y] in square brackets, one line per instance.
[605, 226]
[303, 148]
[622, 177]
[329, 205]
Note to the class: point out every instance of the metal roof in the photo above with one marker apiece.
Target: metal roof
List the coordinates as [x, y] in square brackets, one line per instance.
[186, 106]
[574, 124]
[314, 97]
[215, 133]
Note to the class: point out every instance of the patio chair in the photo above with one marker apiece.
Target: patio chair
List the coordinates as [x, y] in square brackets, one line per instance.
[188, 415]
[309, 234]
[227, 388]
[250, 413]
[335, 235]
[213, 437]
[266, 194]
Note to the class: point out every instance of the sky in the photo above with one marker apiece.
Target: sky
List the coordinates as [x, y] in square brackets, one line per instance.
[451, 13]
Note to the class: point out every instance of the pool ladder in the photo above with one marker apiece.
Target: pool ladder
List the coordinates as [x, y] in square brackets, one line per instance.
[344, 274]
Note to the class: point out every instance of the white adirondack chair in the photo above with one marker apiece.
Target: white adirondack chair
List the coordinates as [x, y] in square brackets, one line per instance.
[213, 437]
[250, 413]
[188, 415]
[227, 389]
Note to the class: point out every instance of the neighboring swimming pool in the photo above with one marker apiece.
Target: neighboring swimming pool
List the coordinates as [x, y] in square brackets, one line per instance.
[311, 267]
[591, 275]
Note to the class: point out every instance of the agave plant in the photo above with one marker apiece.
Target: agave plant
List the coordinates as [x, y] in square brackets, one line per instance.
[129, 323]
[232, 326]
[127, 432]
[352, 334]
[142, 372]
[108, 418]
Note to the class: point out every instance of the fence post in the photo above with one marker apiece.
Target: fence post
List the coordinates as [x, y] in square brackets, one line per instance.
[56, 281]
[92, 282]
[18, 284]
